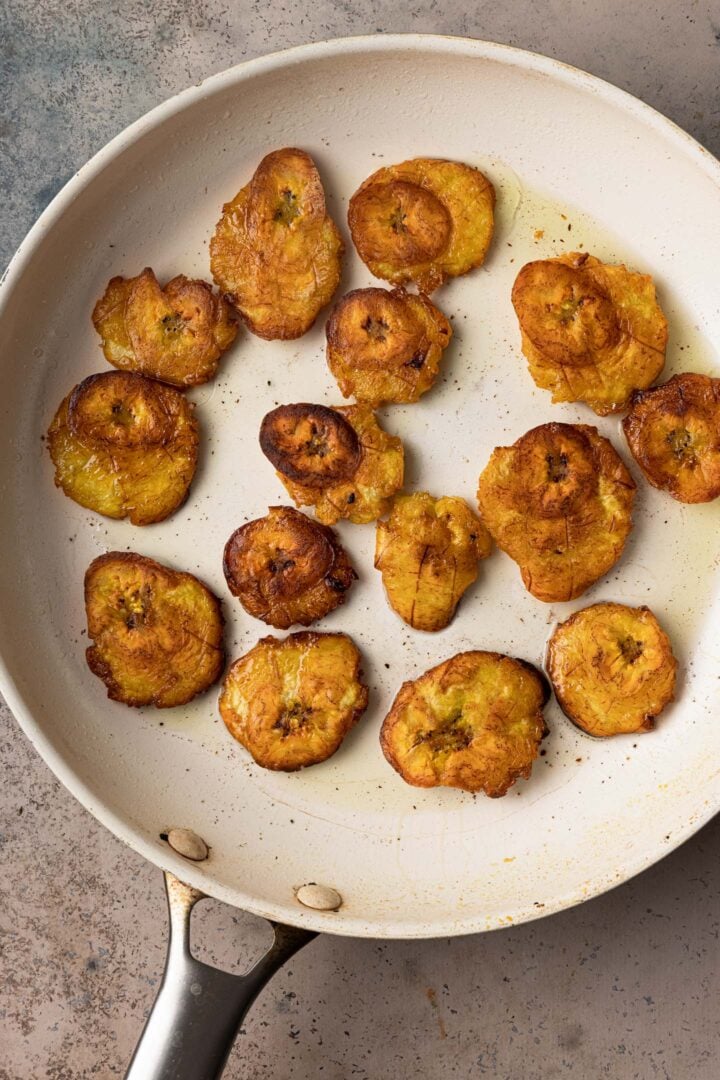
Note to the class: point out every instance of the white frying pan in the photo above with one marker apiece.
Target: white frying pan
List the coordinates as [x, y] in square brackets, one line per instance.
[576, 163]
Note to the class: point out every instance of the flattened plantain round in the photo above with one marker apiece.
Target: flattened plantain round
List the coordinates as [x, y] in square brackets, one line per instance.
[590, 331]
[310, 444]
[612, 669]
[385, 346]
[673, 432]
[428, 552]
[423, 221]
[366, 495]
[474, 722]
[119, 409]
[292, 702]
[559, 502]
[157, 632]
[275, 253]
[558, 469]
[398, 222]
[125, 446]
[176, 334]
[564, 311]
[287, 569]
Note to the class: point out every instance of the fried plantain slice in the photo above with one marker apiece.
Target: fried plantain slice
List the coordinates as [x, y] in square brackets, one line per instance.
[176, 334]
[310, 444]
[385, 346]
[673, 432]
[424, 220]
[287, 569]
[276, 253]
[591, 332]
[318, 450]
[612, 669]
[157, 632]
[473, 722]
[291, 703]
[558, 502]
[428, 552]
[125, 446]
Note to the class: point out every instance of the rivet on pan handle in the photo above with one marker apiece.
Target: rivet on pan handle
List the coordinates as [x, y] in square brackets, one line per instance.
[199, 1009]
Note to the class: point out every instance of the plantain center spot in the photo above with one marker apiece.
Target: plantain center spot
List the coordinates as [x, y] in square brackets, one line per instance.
[376, 329]
[133, 607]
[453, 735]
[568, 308]
[287, 209]
[630, 649]
[120, 413]
[557, 468]
[316, 445]
[293, 719]
[397, 221]
[680, 442]
[279, 565]
[172, 324]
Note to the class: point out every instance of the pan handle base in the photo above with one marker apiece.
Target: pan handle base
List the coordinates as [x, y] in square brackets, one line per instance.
[198, 1009]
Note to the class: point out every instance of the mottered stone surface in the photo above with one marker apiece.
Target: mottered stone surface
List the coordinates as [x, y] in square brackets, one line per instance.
[624, 987]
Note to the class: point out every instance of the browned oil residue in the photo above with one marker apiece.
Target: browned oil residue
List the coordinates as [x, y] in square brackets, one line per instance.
[432, 998]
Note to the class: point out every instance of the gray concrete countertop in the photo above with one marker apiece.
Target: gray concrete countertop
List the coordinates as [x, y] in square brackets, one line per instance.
[626, 986]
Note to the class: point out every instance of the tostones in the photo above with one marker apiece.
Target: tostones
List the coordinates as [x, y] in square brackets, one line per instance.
[291, 703]
[385, 346]
[276, 254]
[423, 221]
[428, 552]
[612, 669]
[558, 502]
[591, 332]
[157, 633]
[673, 432]
[287, 569]
[176, 334]
[125, 446]
[339, 460]
[473, 722]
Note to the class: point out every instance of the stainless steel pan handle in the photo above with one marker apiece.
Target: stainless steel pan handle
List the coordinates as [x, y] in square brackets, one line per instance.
[199, 1009]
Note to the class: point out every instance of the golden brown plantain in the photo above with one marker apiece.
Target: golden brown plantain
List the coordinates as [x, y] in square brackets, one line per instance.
[673, 432]
[339, 461]
[276, 253]
[385, 346]
[591, 332]
[612, 669]
[428, 552]
[291, 703]
[157, 632]
[558, 502]
[125, 446]
[176, 334]
[424, 220]
[473, 722]
[287, 569]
